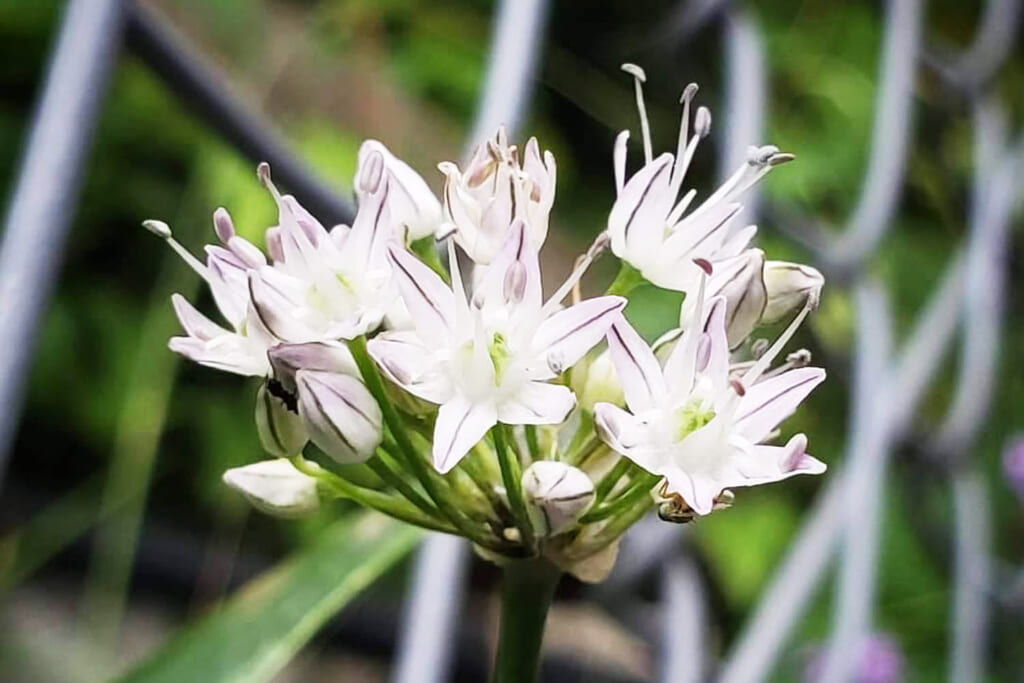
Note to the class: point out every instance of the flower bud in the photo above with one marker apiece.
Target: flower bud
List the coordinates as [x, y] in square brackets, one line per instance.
[275, 487]
[791, 286]
[557, 495]
[600, 384]
[340, 415]
[287, 359]
[277, 421]
[739, 279]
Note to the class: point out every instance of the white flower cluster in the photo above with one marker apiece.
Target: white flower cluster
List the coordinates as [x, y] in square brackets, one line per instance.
[448, 401]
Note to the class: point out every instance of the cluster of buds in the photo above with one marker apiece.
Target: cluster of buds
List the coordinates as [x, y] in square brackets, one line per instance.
[475, 406]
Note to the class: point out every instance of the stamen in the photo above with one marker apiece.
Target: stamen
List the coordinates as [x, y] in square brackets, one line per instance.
[754, 373]
[684, 122]
[619, 160]
[263, 173]
[681, 207]
[461, 303]
[163, 231]
[639, 78]
[702, 122]
[600, 243]
[222, 225]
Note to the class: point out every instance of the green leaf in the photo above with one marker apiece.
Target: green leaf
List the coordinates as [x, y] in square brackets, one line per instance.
[270, 619]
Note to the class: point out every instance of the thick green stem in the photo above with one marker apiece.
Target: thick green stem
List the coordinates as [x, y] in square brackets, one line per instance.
[527, 588]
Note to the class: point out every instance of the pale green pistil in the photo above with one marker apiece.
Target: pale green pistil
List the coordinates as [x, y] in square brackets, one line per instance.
[692, 417]
[500, 356]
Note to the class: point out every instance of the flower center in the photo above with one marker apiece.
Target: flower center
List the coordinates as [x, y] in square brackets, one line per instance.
[500, 356]
[692, 417]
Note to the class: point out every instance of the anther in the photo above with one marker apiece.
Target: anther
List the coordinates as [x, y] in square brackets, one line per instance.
[704, 265]
[738, 387]
[158, 228]
[702, 122]
[222, 225]
[689, 92]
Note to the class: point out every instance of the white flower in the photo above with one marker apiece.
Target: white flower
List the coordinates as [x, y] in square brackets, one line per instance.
[243, 349]
[327, 286]
[646, 223]
[481, 202]
[275, 487]
[488, 360]
[414, 208]
[696, 426]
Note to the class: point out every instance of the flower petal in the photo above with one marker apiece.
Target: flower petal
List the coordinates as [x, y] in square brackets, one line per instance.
[628, 436]
[193, 322]
[275, 309]
[404, 360]
[698, 490]
[537, 403]
[642, 381]
[771, 401]
[429, 300]
[767, 464]
[636, 223]
[228, 353]
[514, 274]
[460, 425]
[567, 335]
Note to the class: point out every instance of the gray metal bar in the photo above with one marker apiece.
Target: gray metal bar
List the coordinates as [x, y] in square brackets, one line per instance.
[684, 652]
[435, 598]
[869, 448]
[46, 191]
[204, 91]
[794, 583]
[429, 619]
[890, 141]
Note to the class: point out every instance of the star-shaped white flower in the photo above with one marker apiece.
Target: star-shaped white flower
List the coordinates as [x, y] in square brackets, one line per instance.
[695, 425]
[647, 227]
[243, 348]
[328, 285]
[487, 360]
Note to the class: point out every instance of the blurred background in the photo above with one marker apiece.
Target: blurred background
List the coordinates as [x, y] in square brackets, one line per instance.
[116, 528]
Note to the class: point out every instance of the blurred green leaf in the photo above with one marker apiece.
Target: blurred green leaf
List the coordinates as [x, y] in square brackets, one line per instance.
[270, 619]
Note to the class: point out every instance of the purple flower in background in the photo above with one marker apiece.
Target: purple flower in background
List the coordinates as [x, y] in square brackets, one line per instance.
[1013, 464]
[881, 661]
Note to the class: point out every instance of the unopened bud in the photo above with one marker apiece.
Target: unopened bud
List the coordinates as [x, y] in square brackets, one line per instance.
[557, 495]
[738, 279]
[277, 421]
[275, 487]
[601, 384]
[340, 415]
[287, 359]
[790, 286]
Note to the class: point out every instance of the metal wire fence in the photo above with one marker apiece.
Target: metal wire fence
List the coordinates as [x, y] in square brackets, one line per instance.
[843, 527]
